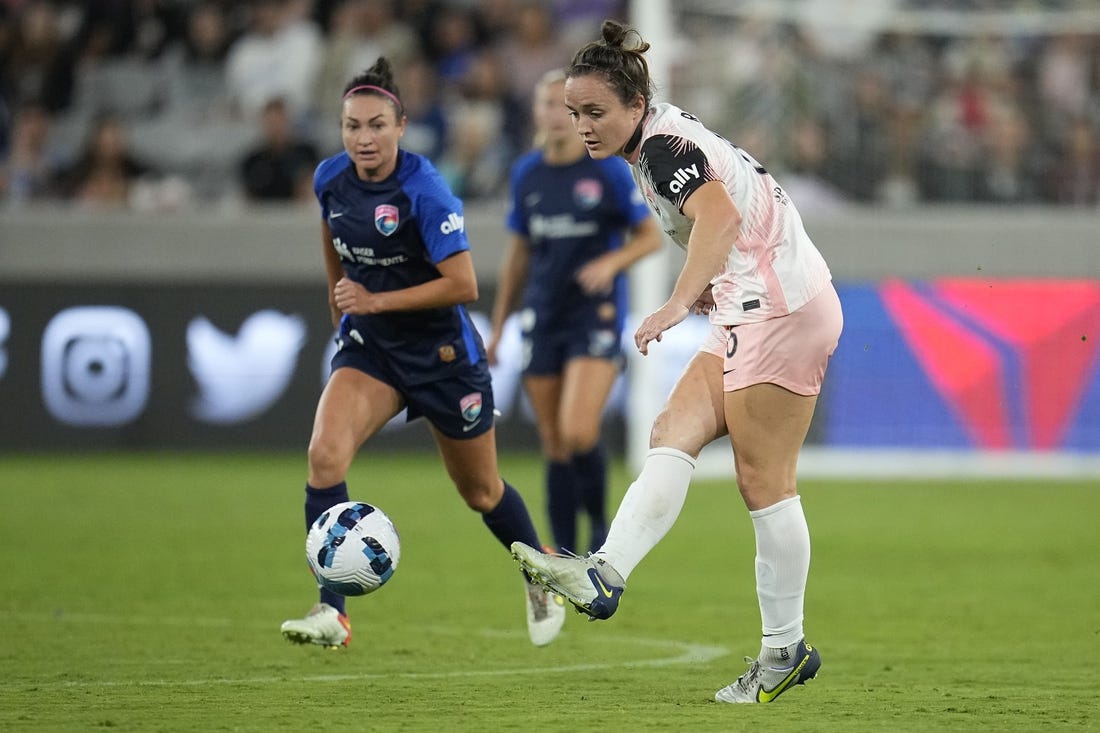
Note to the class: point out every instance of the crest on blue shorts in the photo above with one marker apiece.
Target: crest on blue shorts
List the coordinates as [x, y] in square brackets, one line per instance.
[386, 219]
[470, 405]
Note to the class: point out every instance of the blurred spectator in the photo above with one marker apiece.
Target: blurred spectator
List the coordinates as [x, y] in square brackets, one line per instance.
[496, 19]
[141, 29]
[772, 90]
[31, 168]
[37, 63]
[530, 51]
[805, 177]
[957, 122]
[578, 21]
[484, 134]
[420, 15]
[1009, 171]
[277, 57]
[452, 43]
[907, 65]
[860, 138]
[194, 67]
[359, 32]
[1075, 176]
[427, 128]
[197, 133]
[1063, 75]
[106, 170]
[281, 167]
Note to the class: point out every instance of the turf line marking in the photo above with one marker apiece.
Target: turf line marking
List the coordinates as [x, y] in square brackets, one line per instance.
[682, 653]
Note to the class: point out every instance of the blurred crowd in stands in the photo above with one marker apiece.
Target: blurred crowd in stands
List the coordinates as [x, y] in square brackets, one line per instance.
[166, 104]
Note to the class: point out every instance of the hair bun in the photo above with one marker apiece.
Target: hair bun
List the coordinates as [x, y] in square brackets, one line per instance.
[383, 70]
[617, 35]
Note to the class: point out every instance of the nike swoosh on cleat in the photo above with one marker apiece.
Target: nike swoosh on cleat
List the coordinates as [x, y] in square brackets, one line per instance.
[763, 695]
[598, 582]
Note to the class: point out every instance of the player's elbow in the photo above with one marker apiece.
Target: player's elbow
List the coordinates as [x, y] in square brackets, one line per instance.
[733, 221]
[466, 291]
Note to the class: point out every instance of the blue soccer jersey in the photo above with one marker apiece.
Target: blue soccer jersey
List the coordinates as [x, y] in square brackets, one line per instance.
[570, 215]
[390, 235]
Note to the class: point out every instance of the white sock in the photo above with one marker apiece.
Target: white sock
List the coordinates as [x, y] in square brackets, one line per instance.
[649, 508]
[782, 564]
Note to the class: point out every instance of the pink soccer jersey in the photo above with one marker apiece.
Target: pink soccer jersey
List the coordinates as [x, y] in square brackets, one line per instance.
[773, 268]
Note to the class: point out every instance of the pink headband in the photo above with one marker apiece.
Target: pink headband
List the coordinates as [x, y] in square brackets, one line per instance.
[372, 88]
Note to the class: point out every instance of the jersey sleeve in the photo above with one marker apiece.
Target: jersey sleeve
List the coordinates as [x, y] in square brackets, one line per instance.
[629, 198]
[326, 170]
[318, 189]
[676, 166]
[442, 226]
[515, 220]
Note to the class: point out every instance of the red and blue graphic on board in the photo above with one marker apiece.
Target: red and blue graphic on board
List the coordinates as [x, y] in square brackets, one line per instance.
[967, 363]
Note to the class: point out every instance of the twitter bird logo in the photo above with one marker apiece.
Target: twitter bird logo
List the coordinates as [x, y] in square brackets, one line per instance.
[239, 377]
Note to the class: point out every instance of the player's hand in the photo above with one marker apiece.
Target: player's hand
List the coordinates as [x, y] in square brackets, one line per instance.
[656, 323]
[704, 304]
[353, 299]
[597, 277]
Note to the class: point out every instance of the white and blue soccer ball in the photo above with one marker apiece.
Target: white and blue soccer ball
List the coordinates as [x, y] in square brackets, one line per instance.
[353, 548]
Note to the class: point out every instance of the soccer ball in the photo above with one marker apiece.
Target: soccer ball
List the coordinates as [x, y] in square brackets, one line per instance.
[353, 548]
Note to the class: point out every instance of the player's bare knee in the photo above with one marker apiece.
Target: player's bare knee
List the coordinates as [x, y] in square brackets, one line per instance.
[670, 432]
[554, 450]
[482, 497]
[327, 465]
[760, 489]
[579, 441]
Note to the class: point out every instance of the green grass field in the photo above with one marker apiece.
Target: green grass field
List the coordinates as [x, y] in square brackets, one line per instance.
[145, 593]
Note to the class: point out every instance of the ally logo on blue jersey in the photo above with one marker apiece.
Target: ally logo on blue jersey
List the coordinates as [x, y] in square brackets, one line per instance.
[453, 223]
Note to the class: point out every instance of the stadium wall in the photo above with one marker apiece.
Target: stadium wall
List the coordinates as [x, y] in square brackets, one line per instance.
[970, 341]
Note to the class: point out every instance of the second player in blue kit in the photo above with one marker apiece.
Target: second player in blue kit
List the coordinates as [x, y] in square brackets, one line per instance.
[576, 224]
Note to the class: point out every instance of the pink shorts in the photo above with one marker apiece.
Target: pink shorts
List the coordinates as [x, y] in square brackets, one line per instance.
[791, 351]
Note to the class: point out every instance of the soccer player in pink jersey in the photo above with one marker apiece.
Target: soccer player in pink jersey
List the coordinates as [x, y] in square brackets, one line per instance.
[776, 320]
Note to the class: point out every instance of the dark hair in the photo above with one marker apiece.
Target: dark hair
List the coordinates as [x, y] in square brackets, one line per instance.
[619, 57]
[377, 80]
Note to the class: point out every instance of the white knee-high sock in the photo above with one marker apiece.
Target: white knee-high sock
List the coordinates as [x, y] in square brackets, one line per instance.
[782, 564]
[649, 508]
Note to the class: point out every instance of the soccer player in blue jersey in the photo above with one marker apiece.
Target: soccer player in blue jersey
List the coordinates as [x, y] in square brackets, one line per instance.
[399, 273]
[576, 224]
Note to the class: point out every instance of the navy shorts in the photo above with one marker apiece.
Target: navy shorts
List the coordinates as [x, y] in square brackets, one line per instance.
[545, 352]
[459, 405]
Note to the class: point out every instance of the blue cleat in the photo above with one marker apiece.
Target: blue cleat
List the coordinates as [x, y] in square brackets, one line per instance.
[589, 583]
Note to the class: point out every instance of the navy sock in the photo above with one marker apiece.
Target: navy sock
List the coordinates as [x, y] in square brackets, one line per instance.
[562, 503]
[591, 471]
[510, 522]
[317, 501]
